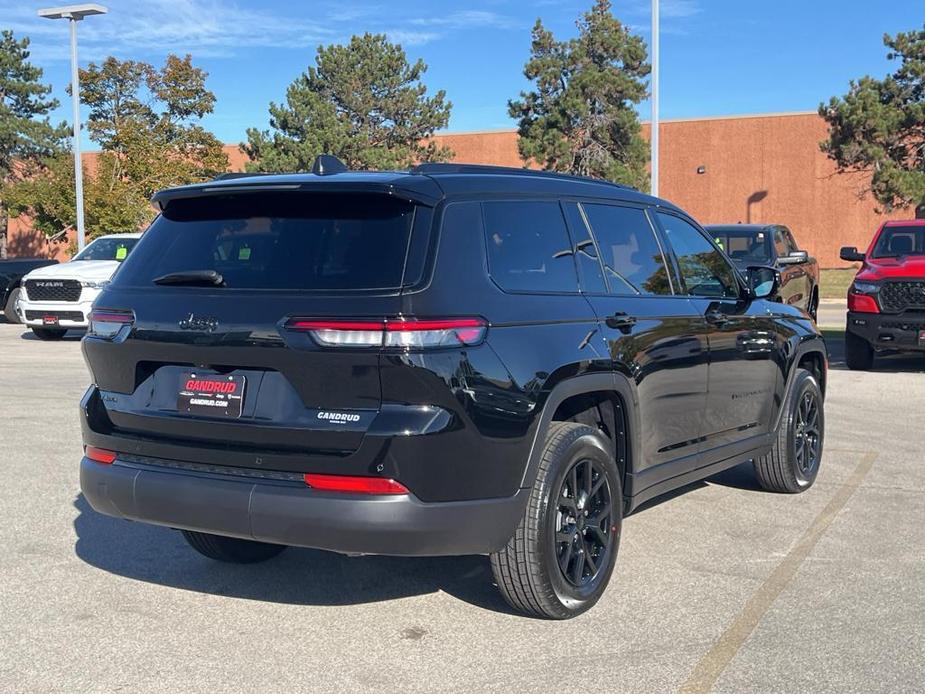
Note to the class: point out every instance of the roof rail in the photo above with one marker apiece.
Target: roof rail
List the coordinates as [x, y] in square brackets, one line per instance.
[231, 175]
[445, 168]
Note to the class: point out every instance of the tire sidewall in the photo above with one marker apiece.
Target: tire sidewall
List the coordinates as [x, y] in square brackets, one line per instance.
[9, 310]
[574, 599]
[805, 382]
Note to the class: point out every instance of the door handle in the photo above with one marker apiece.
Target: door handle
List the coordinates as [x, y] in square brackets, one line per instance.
[716, 318]
[620, 321]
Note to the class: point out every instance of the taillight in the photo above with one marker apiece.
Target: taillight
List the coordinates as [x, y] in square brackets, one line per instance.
[352, 484]
[107, 323]
[407, 333]
[100, 455]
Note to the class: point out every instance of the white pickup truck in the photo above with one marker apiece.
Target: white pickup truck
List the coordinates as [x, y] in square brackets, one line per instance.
[57, 298]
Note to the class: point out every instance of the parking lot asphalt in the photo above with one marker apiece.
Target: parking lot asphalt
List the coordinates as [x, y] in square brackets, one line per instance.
[719, 587]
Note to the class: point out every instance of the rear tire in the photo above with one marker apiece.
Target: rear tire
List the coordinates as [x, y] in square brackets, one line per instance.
[560, 558]
[793, 463]
[859, 354]
[9, 311]
[49, 333]
[231, 550]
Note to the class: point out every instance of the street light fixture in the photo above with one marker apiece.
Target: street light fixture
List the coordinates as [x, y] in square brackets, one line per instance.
[74, 13]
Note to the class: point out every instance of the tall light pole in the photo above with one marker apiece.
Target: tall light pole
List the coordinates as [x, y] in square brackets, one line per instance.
[653, 135]
[74, 13]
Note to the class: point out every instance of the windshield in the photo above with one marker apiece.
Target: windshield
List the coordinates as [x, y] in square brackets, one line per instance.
[294, 241]
[744, 246]
[897, 241]
[107, 249]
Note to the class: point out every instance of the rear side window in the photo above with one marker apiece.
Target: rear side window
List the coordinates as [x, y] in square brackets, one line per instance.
[633, 260]
[292, 241]
[529, 247]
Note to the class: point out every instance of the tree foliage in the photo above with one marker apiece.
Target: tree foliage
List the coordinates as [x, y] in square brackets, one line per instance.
[146, 122]
[879, 126]
[27, 137]
[580, 117]
[363, 102]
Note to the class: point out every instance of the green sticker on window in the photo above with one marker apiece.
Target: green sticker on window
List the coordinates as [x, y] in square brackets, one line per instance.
[121, 252]
[719, 242]
[244, 253]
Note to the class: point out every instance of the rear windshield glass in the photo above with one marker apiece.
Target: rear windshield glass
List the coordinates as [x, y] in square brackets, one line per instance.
[294, 241]
[744, 246]
[899, 241]
[107, 249]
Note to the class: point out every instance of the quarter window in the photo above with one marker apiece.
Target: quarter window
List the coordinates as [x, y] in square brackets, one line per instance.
[529, 247]
[632, 258]
[703, 268]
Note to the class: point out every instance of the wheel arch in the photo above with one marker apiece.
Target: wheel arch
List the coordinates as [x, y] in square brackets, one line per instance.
[605, 401]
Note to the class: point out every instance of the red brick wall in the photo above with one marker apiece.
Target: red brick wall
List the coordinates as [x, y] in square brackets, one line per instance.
[765, 168]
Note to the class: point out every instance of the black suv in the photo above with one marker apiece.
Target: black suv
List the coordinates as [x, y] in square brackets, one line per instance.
[452, 360]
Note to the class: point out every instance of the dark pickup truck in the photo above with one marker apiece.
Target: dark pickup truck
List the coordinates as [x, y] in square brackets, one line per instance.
[11, 273]
[773, 244]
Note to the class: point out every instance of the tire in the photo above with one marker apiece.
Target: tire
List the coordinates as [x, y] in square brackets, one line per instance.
[49, 333]
[859, 354]
[9, 311]
[793, 463]
[814, 306]
[527, 570]
[231, 549]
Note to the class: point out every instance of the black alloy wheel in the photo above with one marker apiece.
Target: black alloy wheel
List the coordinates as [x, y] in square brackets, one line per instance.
[807, 435]
[584, 526]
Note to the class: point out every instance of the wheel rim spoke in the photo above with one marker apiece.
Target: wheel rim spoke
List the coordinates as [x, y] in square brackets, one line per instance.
[585, 514]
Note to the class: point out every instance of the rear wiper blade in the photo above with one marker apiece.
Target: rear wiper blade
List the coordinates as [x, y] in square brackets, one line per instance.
[193, 278]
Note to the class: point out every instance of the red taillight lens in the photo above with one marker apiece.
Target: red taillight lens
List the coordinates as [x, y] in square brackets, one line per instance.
[100, 455]
[862, 303]
[409, 333]
[355, 484]
[107, 323]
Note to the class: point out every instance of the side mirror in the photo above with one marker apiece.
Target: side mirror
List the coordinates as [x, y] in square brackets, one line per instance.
[763, 281]
[795, 258]
[850, 253]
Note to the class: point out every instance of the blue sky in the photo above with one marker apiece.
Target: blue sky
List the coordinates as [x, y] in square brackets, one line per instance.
[719, 57]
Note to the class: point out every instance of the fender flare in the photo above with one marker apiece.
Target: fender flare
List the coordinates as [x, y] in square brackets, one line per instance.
[805, 347]
[578, 385]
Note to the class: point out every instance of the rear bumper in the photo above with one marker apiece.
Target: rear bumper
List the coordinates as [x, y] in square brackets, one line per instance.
[290, 513]
[889, 331]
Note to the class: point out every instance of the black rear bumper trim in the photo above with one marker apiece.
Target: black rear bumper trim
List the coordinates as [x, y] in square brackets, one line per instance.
[291, 514]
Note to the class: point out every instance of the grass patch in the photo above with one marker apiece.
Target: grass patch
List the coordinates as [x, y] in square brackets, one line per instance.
[833, 284]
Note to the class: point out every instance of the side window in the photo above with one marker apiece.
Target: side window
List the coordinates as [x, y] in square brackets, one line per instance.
[703, 268]
[529, 247]
[589, 265]
[780, 242]
[791, 242]
[633, 260]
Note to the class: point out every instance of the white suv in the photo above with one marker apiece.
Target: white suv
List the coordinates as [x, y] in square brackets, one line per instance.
[56, 298]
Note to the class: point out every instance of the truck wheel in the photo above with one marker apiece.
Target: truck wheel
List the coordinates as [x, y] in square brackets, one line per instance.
[793, 463]
[9, 311]
[859, 354]
[231, 549]
[560, 558]
[48, 333]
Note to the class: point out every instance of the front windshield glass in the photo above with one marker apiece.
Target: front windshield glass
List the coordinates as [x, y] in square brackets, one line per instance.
[107, 249]
[744, 246]
[898, 241]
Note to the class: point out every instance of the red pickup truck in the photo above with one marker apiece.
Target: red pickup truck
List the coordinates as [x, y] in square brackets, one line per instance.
[886, 301]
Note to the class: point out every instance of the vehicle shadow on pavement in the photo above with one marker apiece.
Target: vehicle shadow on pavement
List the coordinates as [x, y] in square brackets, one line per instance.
[740, 477]
[885, 362]
[298, 576]
[69, 336]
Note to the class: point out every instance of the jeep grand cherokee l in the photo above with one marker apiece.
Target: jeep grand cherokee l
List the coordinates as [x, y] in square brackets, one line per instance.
[451, 360]
[886, 301]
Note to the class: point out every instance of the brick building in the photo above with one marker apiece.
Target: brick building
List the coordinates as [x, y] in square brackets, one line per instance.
[761, 168]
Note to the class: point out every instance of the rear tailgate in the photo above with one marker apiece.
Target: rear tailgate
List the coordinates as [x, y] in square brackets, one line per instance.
[280, 257]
